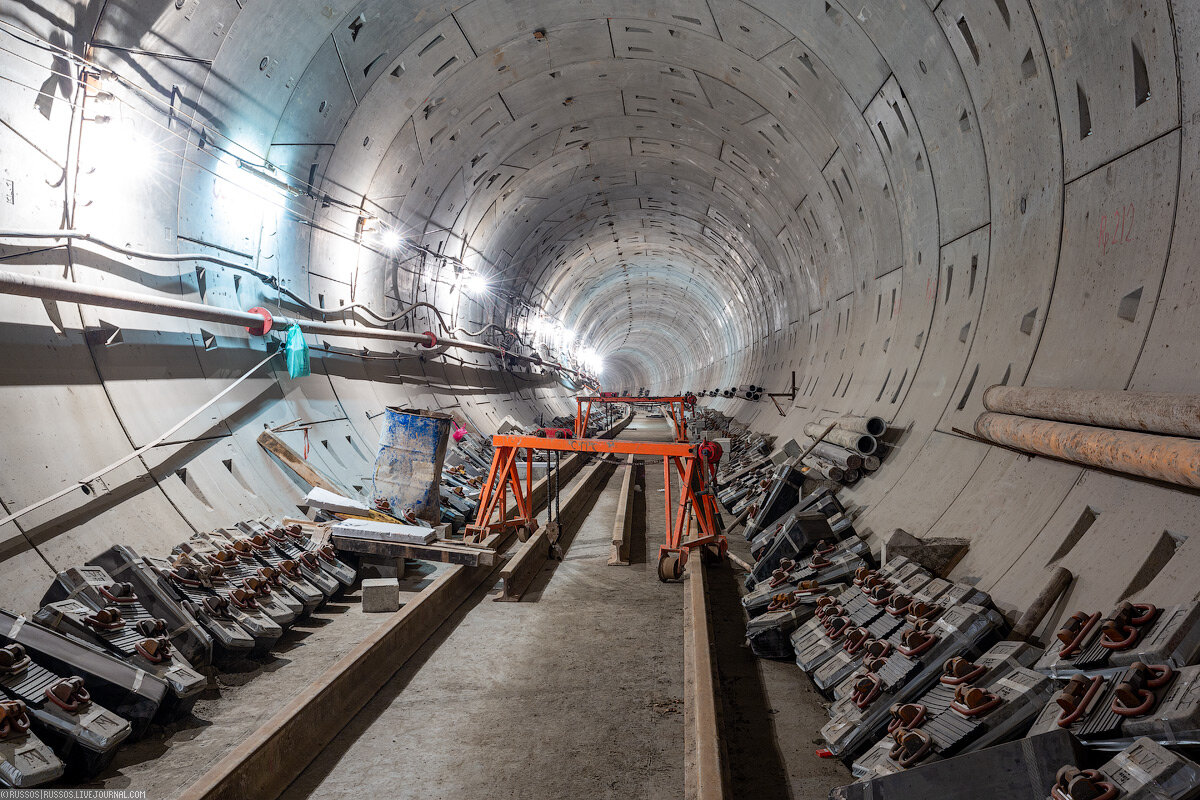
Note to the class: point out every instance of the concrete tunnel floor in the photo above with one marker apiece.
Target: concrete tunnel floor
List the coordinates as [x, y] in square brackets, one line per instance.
[576, 691]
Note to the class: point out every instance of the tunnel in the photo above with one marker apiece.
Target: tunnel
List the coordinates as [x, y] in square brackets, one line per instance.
[793, 210]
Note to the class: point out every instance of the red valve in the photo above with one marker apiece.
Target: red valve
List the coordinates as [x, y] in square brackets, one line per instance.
[267, 325]
[433, 340]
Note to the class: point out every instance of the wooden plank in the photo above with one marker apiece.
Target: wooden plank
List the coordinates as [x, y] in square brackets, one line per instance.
[704, 767]
[295, 462]
[618, 555]
[524, 566]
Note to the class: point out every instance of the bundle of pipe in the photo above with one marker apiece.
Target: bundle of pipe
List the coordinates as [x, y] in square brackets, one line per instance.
[1119, 446]
[872, 426]
[826, 469]
[846, 459]
[862, 443]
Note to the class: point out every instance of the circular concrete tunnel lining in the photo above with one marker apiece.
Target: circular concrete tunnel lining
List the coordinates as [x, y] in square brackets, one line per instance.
[902, 204]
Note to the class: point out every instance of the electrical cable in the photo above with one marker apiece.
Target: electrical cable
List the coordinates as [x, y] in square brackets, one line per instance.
[35, 41]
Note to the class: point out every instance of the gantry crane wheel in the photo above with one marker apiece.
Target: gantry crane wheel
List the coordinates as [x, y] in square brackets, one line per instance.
[669, 568]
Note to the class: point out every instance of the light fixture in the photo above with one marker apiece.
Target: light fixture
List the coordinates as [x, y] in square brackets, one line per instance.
[245, 193]
[391, 239]
[118, 147]
[475, 284]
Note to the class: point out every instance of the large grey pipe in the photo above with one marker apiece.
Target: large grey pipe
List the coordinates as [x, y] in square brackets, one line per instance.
[872, 426]
[860, 442]
[14, 283]
[846, 459]
[1153, 412]
[1173, 459]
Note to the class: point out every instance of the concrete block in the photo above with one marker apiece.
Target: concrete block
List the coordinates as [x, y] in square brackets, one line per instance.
[380, 595]
[937, 555]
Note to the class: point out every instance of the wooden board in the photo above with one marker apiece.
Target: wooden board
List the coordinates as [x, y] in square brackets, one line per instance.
[704, 767]
[524, 566]
[619, 553]
[295, 462]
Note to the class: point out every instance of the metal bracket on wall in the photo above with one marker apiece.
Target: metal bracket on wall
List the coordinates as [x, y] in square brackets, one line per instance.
[790, 395]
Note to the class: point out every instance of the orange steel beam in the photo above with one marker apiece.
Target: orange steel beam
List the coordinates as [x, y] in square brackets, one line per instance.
[644, 401]
[677, 449]
[695, 496]
[678, 408]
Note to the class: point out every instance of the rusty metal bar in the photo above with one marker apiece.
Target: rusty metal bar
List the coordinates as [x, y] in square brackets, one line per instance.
[1164, 458]
[1152, 412]
[597, 446]
[1059, 580]
[827, 470]
[836, 454]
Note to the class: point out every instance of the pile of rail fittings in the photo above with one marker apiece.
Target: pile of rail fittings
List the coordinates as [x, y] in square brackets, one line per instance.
[931, 696]
[130, 639]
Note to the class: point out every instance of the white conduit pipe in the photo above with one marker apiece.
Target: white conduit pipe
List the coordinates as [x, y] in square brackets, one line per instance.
[126, 459]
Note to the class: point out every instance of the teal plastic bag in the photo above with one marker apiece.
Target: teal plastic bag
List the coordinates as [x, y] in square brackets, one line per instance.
[297, 353]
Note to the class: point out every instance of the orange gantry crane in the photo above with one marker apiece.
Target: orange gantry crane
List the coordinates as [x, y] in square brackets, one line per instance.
[677, 406]
[695, 463]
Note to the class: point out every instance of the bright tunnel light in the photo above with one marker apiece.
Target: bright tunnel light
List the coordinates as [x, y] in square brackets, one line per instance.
[475, 284]
[391, 239]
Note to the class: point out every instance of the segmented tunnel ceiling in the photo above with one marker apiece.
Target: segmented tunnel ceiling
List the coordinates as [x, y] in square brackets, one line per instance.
[676, 181]
[689, 185]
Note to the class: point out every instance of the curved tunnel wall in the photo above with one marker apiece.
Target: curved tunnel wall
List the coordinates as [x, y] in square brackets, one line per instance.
[904, 203]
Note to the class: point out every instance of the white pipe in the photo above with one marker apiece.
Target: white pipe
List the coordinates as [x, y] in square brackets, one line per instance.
[162, 437]
[14, 283]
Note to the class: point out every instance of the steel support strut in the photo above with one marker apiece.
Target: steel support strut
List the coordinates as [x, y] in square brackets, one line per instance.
[696, 499]
[677, 406]
[503, 477]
